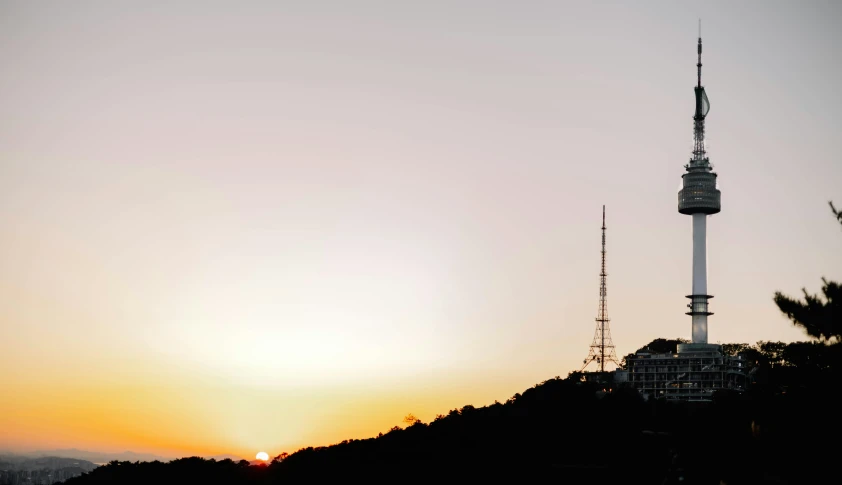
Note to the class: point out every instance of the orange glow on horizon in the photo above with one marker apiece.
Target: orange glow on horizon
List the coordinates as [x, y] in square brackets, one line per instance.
[181, 417]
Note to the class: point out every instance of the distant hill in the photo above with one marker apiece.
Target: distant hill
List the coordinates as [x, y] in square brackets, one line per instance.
[104, 457]
[225, 457]
[20, 462]
[96, 456]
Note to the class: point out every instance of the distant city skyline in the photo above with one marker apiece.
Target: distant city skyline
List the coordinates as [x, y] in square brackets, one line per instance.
[243, 227]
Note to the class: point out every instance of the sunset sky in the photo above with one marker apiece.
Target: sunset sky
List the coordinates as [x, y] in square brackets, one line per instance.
[228, 227]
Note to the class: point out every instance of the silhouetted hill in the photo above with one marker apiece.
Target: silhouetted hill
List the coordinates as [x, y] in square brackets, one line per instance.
[558, 428]
[570, 431]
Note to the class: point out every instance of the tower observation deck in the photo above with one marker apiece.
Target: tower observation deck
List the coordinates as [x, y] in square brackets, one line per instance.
[699, 197]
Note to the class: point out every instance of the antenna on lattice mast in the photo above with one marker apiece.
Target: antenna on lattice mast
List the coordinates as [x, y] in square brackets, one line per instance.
[602, 348]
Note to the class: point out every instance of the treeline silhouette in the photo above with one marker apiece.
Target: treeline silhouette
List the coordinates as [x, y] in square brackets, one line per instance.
[776, 365]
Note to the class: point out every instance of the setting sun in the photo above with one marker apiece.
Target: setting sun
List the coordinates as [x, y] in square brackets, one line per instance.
[263, 456]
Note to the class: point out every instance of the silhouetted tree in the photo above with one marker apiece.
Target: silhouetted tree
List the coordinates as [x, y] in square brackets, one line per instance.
[837, 213]
[663, 346]
[657, 346]
[735, 349]
[576, 376]
[819, 315]
[773, 352]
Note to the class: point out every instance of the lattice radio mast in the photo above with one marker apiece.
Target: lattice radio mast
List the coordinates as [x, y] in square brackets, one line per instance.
[602, 348]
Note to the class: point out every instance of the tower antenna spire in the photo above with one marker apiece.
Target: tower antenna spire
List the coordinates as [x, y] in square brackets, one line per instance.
[699, 64]
[602, 348]
[700, 159]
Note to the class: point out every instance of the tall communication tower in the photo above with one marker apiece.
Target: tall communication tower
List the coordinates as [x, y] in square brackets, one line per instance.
[602, 348]
[699, 197]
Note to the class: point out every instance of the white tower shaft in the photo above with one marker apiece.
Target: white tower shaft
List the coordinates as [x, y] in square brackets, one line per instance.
[700, 275]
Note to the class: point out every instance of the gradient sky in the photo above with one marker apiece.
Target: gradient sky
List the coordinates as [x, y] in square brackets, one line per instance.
[242, 226]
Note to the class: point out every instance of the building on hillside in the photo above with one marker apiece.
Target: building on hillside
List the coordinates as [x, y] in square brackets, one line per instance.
[693, 373]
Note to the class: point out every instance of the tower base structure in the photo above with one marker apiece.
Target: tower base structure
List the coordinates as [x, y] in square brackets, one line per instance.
[694, 373]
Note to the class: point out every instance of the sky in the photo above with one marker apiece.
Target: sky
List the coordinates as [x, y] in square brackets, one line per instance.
[230, 227]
